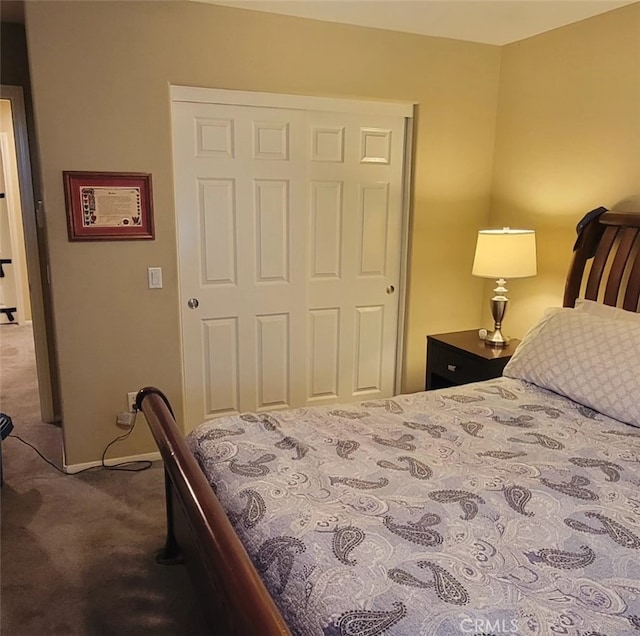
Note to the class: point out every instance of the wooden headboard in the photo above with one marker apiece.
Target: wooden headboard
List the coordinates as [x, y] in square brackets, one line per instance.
[606, 262]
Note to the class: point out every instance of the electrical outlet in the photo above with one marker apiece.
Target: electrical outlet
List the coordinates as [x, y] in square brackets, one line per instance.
[125, 420]
[131, 400]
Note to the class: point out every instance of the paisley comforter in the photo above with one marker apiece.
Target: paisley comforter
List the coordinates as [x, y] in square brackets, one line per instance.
[495, 508]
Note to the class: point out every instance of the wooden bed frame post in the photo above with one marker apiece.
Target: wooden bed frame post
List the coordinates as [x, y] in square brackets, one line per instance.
[232, 594]
[170, 554]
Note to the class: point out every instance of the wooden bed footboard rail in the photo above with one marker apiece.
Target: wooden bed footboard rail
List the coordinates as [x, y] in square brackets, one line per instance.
[230, 589]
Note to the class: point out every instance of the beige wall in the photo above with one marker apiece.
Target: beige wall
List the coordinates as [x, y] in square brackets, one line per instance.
[567, 141]
[100, 74]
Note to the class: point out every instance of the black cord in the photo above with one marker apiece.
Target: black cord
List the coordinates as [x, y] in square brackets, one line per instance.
[130, 466]
[125, 466]
[39, 453]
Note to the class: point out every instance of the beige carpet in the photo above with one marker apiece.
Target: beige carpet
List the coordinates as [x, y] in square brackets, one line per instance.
[77, 551]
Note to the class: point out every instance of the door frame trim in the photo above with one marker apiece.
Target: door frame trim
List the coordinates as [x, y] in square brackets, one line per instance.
[294, 102]
[407, 221]
[406, 110]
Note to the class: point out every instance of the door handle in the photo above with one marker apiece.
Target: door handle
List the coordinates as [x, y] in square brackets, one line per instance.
[390, 289]
[193, 303]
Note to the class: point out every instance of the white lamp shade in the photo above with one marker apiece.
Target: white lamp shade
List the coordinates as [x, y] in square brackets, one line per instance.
[505, 253]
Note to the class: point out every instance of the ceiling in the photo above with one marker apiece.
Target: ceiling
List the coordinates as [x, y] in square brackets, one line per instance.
[488, 21]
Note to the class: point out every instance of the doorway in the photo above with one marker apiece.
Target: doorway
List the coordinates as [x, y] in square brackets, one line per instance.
[15, 306]
[25, 286]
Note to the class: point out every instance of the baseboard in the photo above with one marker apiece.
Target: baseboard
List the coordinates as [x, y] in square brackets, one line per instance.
[146, 457]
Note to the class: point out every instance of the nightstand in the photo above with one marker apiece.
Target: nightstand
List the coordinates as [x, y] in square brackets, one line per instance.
[461, 357]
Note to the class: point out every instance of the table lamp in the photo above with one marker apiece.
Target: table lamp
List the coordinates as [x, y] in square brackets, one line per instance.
[502, 254]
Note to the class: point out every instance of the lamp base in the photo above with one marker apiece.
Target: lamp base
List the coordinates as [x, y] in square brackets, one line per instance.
[496, 339]
[498, 308]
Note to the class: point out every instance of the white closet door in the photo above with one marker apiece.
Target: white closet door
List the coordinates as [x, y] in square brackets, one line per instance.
[355, 218]
[289, 229]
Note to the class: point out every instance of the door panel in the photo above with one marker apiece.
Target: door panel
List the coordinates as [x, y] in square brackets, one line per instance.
[272, 213]
[220, 350]
[326, 229]
[369, 349]
[356, 222]
[289, 229]
[374, 221]
[324, 354]
[216, 198]
[272, 361]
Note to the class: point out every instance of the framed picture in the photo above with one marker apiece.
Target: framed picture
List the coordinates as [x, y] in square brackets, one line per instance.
[108, 206]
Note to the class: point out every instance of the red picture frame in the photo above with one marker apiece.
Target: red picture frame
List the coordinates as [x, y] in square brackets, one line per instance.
[108, 206]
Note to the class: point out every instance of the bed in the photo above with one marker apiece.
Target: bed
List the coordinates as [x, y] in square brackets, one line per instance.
[505, 506]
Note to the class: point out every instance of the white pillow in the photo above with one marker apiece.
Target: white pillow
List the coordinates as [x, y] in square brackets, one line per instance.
[592, 360]
[606, 311]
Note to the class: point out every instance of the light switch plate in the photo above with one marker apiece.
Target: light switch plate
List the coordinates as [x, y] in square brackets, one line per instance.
[154, 275]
